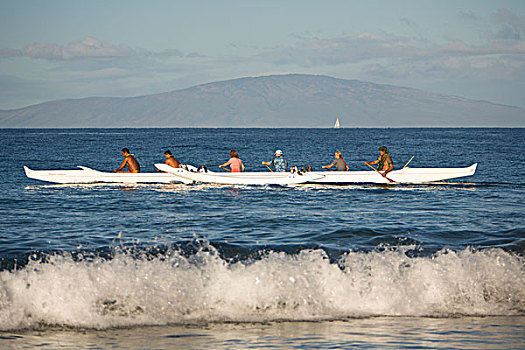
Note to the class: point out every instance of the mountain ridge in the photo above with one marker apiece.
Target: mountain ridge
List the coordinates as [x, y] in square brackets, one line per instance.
[293, 100]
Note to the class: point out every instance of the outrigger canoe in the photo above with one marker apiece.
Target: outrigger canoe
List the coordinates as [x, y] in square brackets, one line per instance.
[244, 178]
[405, 175]
[86, 175]
[190, 175]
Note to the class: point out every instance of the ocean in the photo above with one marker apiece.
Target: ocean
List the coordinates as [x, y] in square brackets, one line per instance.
[435, 266]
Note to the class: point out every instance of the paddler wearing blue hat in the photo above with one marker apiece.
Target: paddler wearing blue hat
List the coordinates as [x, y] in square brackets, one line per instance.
[279, 163]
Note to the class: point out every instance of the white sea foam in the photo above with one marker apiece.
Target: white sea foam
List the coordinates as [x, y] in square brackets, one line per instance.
[127, 290]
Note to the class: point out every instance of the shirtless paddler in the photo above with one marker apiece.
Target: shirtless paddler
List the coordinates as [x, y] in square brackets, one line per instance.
[129, 161]
[384, 162]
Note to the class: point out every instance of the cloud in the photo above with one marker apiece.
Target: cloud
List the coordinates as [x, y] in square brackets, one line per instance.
[410, 24]
[366, 47]
[10, 53]
[171, 53]
[343, 50]
[512, 26]
[469, 15]
[392, 56]
[449, 68]
[88, 49]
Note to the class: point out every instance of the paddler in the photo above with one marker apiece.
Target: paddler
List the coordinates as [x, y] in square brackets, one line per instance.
[171, 160]
[338, 162]
[279, 163]
[384, 162]
[129, 161]
[235, 163]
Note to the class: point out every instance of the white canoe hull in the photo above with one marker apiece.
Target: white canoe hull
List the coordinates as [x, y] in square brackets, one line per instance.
[86, 175]
[178, 175]
[406, 175]
[244, 178]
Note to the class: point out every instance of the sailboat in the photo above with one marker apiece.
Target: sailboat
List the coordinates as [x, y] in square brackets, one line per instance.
[337, 125]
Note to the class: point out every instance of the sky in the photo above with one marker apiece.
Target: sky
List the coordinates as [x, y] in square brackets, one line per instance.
[60, 49]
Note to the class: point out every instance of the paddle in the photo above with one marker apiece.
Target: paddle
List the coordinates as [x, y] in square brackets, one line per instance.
[409, 161]
[379, 172]
[228, 170]
[269, 168]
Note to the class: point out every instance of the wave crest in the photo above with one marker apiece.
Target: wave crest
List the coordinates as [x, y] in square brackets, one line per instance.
[181, 288]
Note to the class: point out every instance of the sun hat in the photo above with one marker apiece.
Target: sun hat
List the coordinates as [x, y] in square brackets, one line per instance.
[278, 152]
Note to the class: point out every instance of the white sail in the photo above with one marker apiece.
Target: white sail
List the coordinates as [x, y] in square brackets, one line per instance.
[337, 125]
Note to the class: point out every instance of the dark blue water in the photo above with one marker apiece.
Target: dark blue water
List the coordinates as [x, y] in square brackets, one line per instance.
[104, 256]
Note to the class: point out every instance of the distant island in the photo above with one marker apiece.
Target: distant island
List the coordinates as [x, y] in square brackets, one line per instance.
[294, 100]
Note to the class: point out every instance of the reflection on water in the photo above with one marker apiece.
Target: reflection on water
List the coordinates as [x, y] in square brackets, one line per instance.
[380, 333]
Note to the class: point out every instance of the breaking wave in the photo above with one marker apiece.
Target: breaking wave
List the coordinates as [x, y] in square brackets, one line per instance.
[180, 288]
